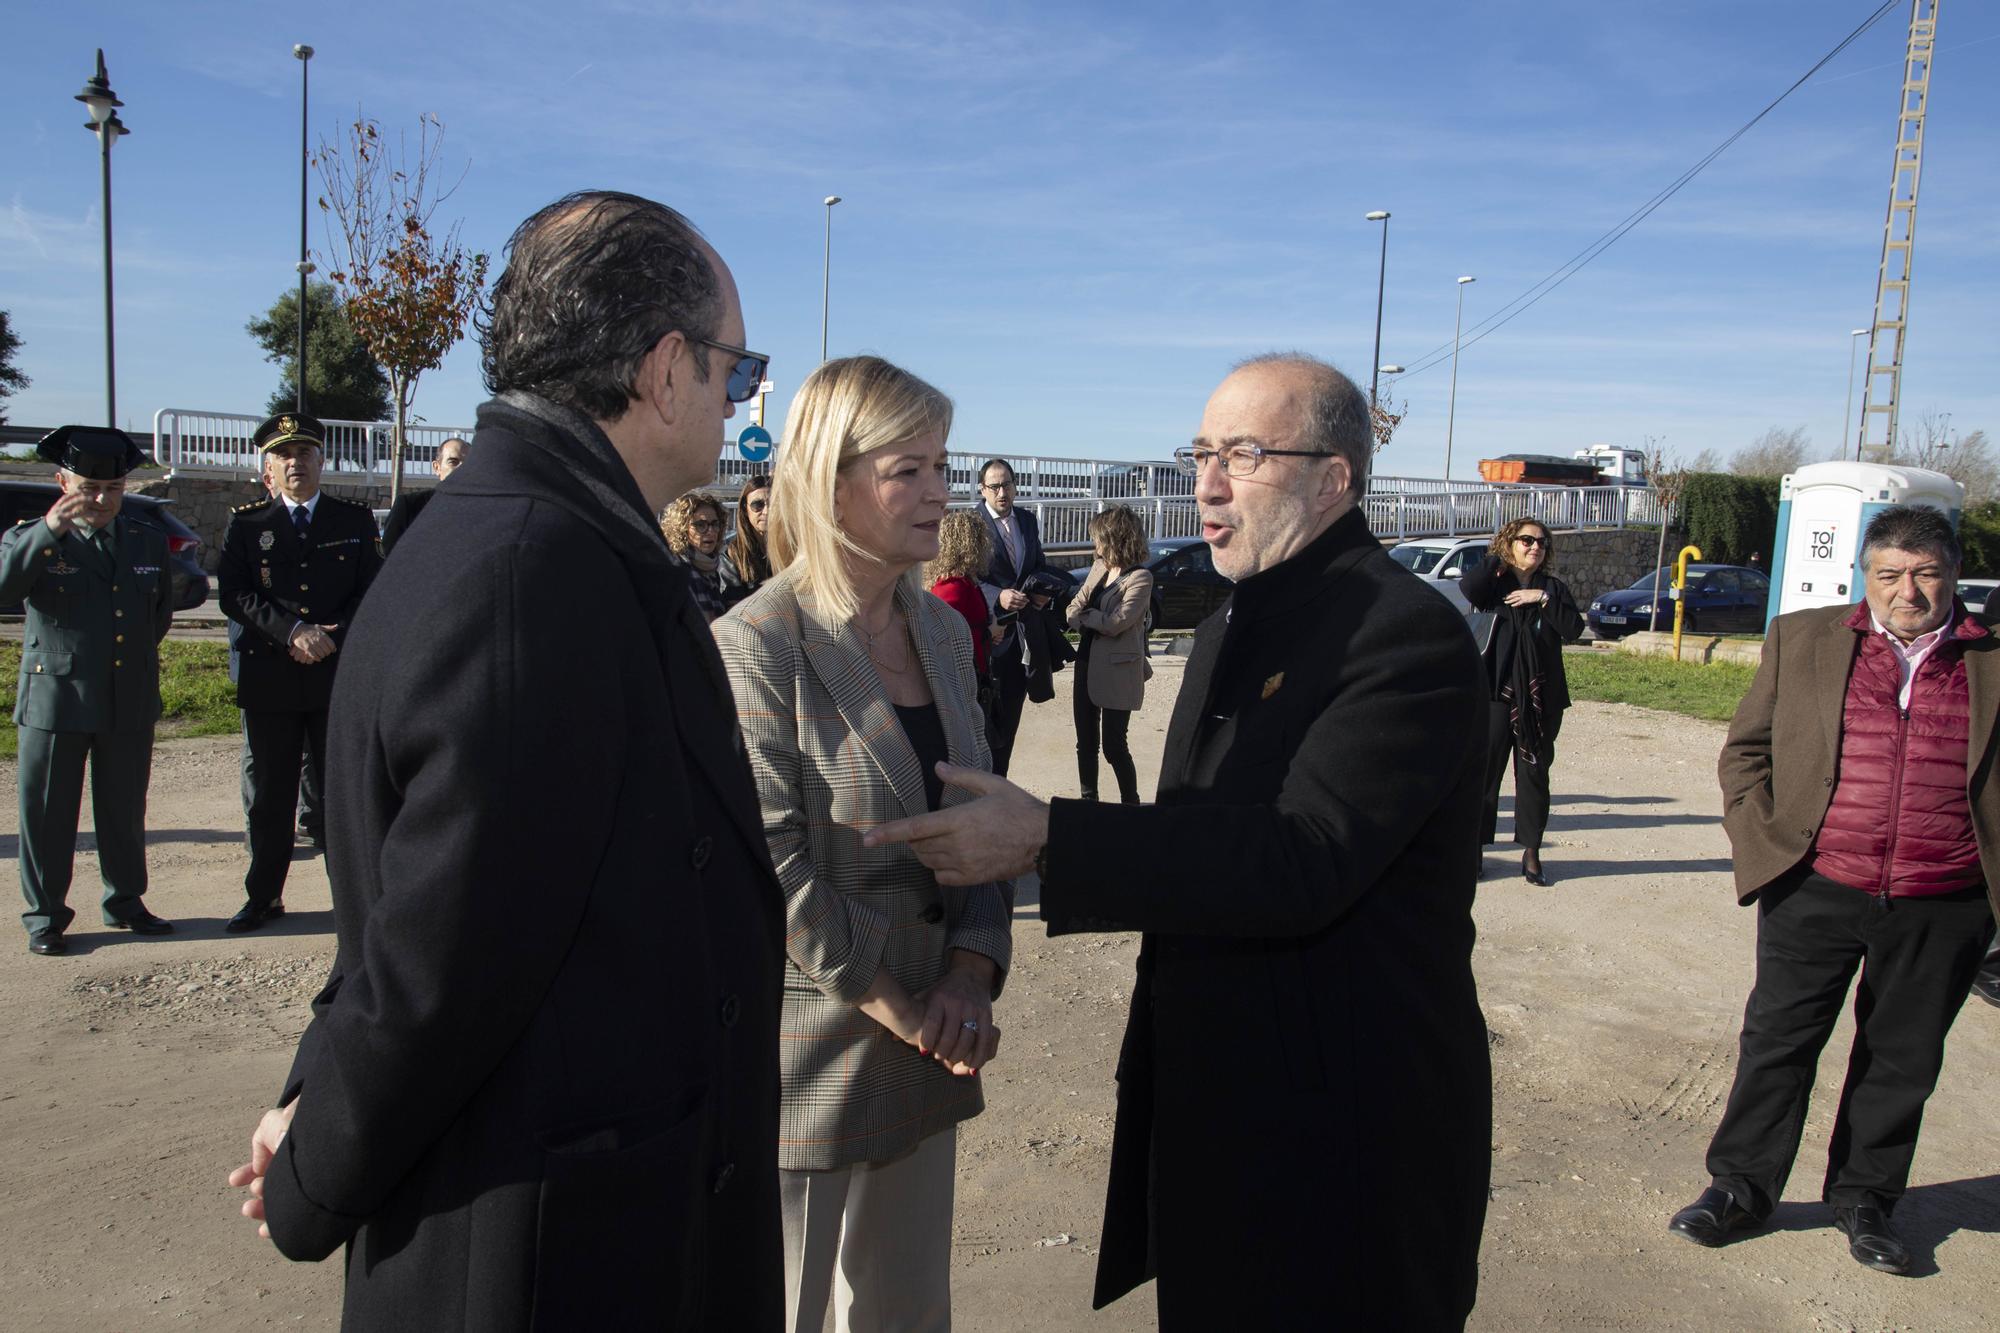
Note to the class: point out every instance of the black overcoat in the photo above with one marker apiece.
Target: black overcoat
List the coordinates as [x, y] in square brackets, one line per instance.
[1304, 1096]
[269, 581]
[540, 1089]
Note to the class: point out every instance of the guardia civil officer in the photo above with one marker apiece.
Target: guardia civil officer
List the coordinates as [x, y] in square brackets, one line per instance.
[99, 600]
[294, 568]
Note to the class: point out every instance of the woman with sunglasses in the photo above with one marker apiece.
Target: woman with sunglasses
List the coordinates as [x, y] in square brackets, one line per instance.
[852, 684]
[746, 564]
[692, 526]
[1534, 616]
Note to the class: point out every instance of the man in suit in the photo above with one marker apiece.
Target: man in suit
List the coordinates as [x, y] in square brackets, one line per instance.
[1305, 886]
[541, 1086]
[1860, 804]
[99, 599]
[449, 455]
[293, 571]
[1017, 554]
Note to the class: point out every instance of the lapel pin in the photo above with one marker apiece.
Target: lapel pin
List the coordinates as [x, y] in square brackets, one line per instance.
[1273, 685]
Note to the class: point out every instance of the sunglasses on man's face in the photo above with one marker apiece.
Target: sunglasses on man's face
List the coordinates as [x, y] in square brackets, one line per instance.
[747, 375]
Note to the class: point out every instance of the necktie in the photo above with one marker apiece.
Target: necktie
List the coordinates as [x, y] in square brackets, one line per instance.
[302, 521]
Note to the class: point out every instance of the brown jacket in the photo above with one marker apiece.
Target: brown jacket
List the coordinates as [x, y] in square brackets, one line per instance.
[1118, 666]
[1779, 764]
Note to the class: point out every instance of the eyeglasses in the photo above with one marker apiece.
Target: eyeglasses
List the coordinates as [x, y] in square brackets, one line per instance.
[996, 485]
[1525, 540]
[747, 375]
[1238, 460]
[704, 525]
[759, 506]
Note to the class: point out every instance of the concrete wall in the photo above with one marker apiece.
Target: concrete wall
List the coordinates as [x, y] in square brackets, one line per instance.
[1594, 563]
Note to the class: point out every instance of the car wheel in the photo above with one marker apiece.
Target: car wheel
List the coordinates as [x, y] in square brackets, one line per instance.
[1153, 616]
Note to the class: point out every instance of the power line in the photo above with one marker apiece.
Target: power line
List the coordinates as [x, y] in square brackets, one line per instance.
[1569, 269]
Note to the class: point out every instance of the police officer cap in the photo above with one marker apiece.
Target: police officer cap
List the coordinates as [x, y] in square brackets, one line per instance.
[97, 452]
[289, 428]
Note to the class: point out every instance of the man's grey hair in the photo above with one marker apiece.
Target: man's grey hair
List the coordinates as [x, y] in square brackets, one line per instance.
[1917, 528]
[1337, 420]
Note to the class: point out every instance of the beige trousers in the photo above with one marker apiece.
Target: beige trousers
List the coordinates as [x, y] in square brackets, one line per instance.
[884, 1230]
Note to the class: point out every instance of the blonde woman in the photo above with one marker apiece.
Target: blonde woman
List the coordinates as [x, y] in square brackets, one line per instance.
[1111, 666]
[692, 526]
[852, 684]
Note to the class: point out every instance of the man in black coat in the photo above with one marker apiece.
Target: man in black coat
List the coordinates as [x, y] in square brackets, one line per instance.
[540, 1089]
[1304, 1099]
[294, 569]
[1017, 557]
[449, 455]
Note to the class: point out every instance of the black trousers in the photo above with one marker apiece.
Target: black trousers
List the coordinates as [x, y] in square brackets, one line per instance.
[1531, 781]
[312, 804]
[1116, 722]
[1010, 673]
[1917, 957]
[280, 744]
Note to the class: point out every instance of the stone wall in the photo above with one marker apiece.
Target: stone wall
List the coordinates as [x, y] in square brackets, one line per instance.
[1594, 563]
[204, 504]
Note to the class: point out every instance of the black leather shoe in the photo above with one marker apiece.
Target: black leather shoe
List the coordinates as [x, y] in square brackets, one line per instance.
[312, 837]
[143, 922]
[1539, 876]
[47, 943]
[1987, 987]
[254, 917]
[1871, 1240]
[1713, 1218]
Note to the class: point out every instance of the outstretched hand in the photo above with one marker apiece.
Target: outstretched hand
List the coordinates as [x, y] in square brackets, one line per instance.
[994, 837]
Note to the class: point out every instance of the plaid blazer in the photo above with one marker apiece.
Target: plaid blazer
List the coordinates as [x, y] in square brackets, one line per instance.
[832, 761]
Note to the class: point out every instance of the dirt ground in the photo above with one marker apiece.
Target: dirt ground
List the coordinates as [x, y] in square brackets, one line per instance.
[132, 1070]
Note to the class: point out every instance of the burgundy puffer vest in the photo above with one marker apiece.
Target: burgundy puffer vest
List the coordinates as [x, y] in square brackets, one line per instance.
[1899, 823]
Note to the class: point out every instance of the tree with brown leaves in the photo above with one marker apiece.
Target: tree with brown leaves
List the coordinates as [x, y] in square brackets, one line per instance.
[407, 292]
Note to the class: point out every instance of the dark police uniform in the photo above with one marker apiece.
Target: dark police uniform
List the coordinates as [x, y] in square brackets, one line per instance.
[97, 605]
[273, 579]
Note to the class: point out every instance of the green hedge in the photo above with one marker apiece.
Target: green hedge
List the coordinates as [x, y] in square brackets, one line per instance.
[1731, 517]
[1979, 534]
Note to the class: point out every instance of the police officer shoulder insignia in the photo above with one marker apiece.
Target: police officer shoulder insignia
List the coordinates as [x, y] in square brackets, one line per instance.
[267, 539]
[246, 508]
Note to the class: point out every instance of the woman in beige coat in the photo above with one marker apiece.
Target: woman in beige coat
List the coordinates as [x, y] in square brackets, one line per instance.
[852, 684]
[1111, 665]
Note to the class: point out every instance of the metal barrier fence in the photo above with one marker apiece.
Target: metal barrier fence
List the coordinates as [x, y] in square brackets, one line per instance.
[1062, 492]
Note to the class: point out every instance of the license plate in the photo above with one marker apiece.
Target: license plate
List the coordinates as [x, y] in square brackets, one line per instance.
[1612, 620]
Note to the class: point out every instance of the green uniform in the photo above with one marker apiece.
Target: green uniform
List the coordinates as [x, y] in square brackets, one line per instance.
[97, 608]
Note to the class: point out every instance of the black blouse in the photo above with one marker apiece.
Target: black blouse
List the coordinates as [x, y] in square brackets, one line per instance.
[926, 734]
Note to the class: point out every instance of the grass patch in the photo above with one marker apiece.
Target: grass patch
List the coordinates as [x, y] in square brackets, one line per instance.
[1709, 691]
[196, 697]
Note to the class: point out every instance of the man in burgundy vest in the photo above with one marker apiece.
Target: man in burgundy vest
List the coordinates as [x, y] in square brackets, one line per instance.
[1859, 801]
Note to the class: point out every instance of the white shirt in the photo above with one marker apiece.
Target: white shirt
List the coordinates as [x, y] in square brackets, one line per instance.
[1010, 533]
[1911, 655]
[292, 508]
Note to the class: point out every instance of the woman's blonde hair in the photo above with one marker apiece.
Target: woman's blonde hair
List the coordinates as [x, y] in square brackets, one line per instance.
[674, 524]
[964, 548]
[848, 407]
[1503, 542]
[1118, 533]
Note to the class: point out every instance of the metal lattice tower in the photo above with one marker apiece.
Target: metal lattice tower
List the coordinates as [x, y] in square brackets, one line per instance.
[1882, 390]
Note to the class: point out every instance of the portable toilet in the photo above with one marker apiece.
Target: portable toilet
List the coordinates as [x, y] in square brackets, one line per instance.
[1823, 509]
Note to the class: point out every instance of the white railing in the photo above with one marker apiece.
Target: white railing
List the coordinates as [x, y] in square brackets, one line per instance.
[219, 442]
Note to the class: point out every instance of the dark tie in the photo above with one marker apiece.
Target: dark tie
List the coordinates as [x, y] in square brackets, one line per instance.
[302, 521]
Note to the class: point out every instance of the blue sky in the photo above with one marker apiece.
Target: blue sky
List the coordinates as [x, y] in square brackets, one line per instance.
[1071, 217]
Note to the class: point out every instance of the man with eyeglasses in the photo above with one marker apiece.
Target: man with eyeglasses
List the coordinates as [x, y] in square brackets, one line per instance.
[1017, 556]
[541, 1086]
[449, 455]
[1305, 1055]
[98, 599]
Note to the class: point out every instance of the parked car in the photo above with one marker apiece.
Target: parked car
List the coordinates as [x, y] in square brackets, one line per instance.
[31, 499]
[1440, 561]
[1975, 593]
[1720, 599]
[1186, 588]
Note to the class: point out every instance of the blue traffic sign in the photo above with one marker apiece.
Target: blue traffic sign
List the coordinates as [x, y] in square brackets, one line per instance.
[754, 444]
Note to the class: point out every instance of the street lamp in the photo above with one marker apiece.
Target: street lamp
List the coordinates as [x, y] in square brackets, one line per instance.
[1382, 216]
[1848, 407]
[1451, 416]
[1390, 370]
[104, 123]
[304, 54]
[826, 275]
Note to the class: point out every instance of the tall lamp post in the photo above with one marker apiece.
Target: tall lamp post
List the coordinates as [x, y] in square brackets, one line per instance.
[1382, 216]
[826, 274]
[1847, 418]
[305, 55]
[104, 123]
[1451, 414]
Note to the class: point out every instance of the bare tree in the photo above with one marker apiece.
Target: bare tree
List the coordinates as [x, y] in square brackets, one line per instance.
[1773, 454]
[407, 293]
[1966, 459]
[1706, 461]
